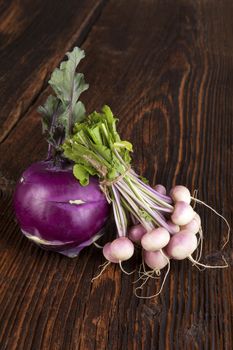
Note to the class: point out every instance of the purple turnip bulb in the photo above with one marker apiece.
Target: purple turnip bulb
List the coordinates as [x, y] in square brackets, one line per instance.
[56, 212]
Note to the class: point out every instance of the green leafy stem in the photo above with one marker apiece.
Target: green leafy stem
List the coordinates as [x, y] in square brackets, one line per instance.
[62, 111]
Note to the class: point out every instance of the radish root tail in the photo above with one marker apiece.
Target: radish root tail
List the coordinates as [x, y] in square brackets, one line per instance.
[104, 266]
[197, 263]
[98, 245]
[221, 216]
[195, 192]
[123, 270]
[148, 275]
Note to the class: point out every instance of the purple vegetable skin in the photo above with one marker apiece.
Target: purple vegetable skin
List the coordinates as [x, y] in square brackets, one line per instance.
[56, 212]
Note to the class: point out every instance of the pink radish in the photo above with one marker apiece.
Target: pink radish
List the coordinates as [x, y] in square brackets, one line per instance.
[136, 233]
[160, 189]
[107, 253]
[155, 239]
[180, 194]
[181, 245]
[194, 225]
[155, 260]
[122, 249]
[183, 213]
[173, 228]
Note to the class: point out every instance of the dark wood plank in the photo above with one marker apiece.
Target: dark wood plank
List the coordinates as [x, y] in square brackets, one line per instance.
[165, 68]
[34, 35]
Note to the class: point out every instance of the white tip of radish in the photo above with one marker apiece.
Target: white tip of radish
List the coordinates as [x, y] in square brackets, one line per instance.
[155, 239]
[194, 225]
[160, 189]
[107, 253]
[122, 249]
[173, 228]
[136, 233]
[183, 213]
[155, 260]
[180, 193]
[181, 245]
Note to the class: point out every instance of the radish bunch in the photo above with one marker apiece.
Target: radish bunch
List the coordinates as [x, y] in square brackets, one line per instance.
[165, 226]
[159, 244]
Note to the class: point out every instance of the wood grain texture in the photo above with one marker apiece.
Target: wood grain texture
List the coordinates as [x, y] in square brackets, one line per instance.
[34, 35]
[165, 68]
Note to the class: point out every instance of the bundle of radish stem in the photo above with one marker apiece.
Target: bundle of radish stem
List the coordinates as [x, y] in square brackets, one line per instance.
[165, 226]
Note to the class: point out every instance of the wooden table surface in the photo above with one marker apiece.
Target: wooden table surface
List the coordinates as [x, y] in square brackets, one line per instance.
[166, 69]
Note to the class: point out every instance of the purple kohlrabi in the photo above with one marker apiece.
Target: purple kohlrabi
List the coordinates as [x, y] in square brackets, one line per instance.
[56, 212]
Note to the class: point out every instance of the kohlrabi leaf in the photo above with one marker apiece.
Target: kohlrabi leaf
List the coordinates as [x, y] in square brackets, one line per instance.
[79, 112]
[61, 112]
[68, 86]
[47, 111]
[66, 83]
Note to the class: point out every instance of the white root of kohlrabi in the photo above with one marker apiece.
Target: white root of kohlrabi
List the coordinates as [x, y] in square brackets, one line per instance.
[175, 231]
